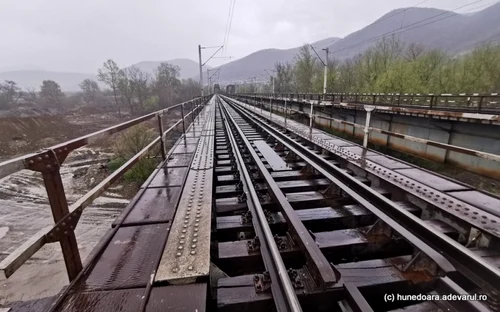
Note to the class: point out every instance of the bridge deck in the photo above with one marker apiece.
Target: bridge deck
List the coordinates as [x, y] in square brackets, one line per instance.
[120, 280]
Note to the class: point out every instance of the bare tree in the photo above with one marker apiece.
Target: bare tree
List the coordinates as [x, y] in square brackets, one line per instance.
[139, 80]
[126, 88]
[9, 93]
[167, 83]
[91, 91]
[30, 95]
[413, 51]
[110, 75]
[51, 93]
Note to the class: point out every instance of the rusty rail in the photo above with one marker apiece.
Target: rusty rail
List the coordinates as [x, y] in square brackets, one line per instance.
[66, 218]
[469, 102]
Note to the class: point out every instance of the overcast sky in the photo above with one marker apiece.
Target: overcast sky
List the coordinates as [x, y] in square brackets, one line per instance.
[77, 36]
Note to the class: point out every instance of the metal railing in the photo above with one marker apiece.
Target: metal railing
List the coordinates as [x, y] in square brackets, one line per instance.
[48, 162]
[469, 102]
[313, 115]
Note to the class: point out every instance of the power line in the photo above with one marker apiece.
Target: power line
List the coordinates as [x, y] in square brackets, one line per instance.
[406, 27]
[229, 23]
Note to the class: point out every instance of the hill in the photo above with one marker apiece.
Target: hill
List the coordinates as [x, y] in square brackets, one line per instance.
[255, 63]
[433, 28]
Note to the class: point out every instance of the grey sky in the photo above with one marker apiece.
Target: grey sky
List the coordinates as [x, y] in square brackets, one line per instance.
[77, 36]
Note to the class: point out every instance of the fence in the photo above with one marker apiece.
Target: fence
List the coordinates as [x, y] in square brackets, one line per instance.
[48, 163]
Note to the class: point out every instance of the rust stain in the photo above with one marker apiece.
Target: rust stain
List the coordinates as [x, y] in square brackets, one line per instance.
[417, 276]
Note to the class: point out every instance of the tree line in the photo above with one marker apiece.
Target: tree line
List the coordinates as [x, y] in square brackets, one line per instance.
[391, 67]
[127, 89]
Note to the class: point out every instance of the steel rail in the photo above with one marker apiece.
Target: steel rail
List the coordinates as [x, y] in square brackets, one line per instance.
[106, 239]
[407, 225]
[323, 272]
[282, 289]
[326, 274]
[490, 212]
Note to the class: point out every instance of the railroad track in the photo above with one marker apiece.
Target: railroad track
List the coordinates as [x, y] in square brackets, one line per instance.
[294, 230]
[254, 212]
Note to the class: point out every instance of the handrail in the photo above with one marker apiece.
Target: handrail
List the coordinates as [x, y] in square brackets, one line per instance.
[455, 148]
[471, 102]
[66, 218]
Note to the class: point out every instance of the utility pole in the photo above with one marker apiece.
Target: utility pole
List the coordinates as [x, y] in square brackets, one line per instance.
[326, 71]
[203, 64]
[201, 70]
[325, 65]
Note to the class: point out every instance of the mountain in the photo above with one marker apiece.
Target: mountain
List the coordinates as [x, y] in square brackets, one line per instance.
[188, 67]
[432, 28]
[255, 63]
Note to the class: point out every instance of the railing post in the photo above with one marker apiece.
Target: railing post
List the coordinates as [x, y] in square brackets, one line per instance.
[162, 141]
[192, 112]
[49, 165]
[286, 110]
[368, 110]
[271, 108]
[480, 105]
[311, 122]
[182, 116]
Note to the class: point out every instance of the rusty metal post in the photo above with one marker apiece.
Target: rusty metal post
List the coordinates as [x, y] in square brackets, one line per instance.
[271, 108]
[49, 165]
[192, 112]
[311, 122]
[182, 116]
[162, 141]
[285, 113]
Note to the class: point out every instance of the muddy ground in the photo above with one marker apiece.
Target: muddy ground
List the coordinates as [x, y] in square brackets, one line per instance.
[24, 208]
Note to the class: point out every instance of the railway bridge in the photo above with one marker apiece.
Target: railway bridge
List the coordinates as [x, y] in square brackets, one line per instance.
[255, 209]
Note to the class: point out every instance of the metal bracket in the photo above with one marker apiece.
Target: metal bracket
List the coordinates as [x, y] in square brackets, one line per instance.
[291, 156]
[262, 282]
[242, 198]
[239, 186]
[295, 278]
[269, 216]
[50, 160]
[332, 191]
[246, 217]
[64, 227]
[279, 147]
[281, 242]
[308, 169]
[253, 245]
[379, 227]
[419, 262]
